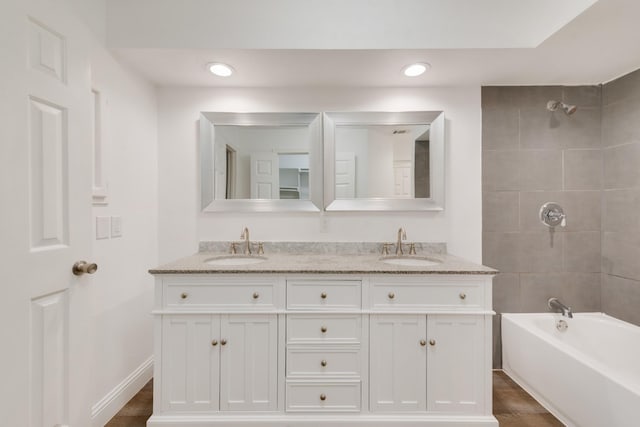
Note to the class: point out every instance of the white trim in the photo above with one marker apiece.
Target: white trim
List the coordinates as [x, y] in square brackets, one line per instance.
[115, 400]
[315, 419]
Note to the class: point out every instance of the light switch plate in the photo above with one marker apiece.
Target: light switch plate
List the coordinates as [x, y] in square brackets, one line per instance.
[116, 226]
[103, 227]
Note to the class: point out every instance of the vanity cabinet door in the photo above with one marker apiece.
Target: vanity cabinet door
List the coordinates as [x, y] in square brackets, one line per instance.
[249, 362]
[398, 379]
[456, 363]
[190, 363]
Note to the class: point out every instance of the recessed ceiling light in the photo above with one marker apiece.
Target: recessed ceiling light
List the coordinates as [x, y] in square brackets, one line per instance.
[220, 69]
[414, 70]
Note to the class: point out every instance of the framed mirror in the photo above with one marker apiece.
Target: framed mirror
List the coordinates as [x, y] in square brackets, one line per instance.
[261, 162]
[383, 161]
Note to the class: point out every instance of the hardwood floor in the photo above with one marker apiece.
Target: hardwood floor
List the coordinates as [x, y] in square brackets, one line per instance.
[512, 406]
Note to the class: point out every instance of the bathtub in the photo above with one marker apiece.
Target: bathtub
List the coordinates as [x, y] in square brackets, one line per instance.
[587, 375]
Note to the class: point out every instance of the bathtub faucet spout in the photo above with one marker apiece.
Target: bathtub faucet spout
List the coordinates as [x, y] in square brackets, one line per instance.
[557, 306]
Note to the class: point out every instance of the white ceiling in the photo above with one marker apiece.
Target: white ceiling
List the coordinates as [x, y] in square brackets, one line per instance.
[600, 44]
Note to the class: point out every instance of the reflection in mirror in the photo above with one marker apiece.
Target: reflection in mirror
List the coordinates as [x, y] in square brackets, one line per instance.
[261, 161]
[384, 161]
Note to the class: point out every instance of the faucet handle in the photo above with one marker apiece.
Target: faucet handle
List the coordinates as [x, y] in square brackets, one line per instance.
[234, 248]
[260, 248]
[385, 248]
[412, 248]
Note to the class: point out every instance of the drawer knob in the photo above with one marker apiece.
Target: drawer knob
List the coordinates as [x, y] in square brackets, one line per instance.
[323, 363]
[184, 295]
[214, 343]
[423, 343]
[323, 295]
[463, 295]
[432, 342]
[323, 397]
[323, 329]
[392, 295]
[223, 342]
[256, 295]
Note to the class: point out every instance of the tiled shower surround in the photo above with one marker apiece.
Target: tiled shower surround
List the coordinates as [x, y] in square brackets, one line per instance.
[621, 198]
[588, 162]
[531, 156]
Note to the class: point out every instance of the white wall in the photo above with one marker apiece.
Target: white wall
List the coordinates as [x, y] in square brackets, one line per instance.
[122, 288]
[182, 225]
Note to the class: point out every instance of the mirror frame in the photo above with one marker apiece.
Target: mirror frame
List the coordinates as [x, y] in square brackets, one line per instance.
[436, 160]
[208, 123]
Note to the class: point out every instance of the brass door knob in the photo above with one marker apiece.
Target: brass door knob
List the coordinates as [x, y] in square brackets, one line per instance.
[432, 342]
[184, 295]
[82, 267]
[323, 397]
[223, 342]
[323, 295]
[423, 343]
[463, 295]
[323, 363]
[256, 295]
[214, 343]
[323, 329]
[392, 295]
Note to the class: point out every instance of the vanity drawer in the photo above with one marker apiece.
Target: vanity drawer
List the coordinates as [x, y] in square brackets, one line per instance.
[407, 296]
[303, 328]
[304, 396]
[227, 296]
[324, 295]
[323, 362]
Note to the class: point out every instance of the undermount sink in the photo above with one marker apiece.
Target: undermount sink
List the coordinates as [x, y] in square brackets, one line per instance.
[231, 260]
[410, 261]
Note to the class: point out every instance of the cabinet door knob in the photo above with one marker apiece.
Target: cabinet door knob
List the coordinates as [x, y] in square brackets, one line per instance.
[432, 342]
[463, 295]
[392, 295]
[323, 363]
[256, 295]
[423, 343]
[323, 295]
[223, 342]
[184, 295]
[323, 397]
[323, 329]
[214, 343]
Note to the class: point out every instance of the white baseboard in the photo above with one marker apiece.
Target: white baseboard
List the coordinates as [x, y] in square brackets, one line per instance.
[113, 401]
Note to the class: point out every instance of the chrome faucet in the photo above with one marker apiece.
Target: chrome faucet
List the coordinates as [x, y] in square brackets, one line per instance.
[402, 235]
[557, 306]
[246, 243]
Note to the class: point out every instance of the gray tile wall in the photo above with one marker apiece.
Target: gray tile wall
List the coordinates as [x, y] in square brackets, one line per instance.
[621, 198]
[532, 156]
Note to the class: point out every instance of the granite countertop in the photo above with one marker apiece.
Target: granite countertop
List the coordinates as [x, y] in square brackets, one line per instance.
[321, 262]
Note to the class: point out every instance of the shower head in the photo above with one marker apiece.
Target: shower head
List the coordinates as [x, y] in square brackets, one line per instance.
[568, 109]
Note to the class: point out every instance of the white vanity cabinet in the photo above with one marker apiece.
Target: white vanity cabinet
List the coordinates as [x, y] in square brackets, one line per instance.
[224, 362]
[322, 350]
[427, 363]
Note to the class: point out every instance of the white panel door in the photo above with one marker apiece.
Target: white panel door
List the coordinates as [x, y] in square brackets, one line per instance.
[455, 363]
[265, 176]
[345, 175]
[249, 362]
[190, 362]
[398, 378]
[402, 179]
[45, 219]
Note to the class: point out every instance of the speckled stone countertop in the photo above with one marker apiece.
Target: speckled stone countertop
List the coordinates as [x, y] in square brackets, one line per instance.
[323, 259]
